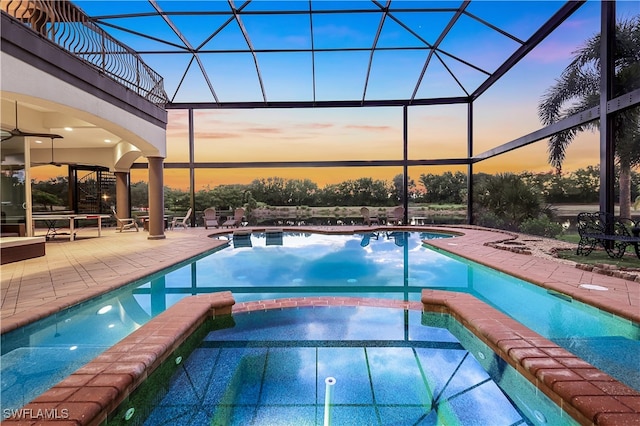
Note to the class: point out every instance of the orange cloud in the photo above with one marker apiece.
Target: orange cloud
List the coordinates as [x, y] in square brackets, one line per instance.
[314, 126]
[269, 130]
[369, 128]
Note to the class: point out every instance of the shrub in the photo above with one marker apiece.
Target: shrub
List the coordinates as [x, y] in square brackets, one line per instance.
[542, 226]
[490, 220]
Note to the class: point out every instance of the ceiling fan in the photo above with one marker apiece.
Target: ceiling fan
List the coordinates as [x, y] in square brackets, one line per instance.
[8, 134]
[50, 163]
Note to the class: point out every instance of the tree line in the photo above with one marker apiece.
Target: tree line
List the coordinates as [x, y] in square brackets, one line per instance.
[578, 187]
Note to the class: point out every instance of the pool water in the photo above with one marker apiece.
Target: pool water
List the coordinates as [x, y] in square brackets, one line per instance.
[390, 367]
[262, 266]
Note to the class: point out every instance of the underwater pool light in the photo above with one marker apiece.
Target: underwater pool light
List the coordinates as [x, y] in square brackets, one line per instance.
[104, 309]
[129, 414]
[539, 416]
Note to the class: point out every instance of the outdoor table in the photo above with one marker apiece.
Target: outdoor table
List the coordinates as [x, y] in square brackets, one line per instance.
[52, 228]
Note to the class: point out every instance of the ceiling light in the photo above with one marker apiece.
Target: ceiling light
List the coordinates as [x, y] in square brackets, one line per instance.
[107, 140]
[68, 129]
[38, 141]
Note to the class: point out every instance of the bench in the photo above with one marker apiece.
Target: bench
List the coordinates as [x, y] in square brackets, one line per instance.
[613, 234]
[14, 249]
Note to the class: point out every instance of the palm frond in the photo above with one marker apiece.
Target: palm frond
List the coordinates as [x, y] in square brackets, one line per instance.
[557, 147]
[578, 88]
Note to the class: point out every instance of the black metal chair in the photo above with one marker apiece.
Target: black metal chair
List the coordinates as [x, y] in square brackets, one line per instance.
[613, 234]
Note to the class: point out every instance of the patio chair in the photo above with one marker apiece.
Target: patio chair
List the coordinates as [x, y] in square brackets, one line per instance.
[398, 238]
[211, 218]
[125, 223]
[366, 238]
[181, 221]
[367, 218]
[397, 216]
[236, 220]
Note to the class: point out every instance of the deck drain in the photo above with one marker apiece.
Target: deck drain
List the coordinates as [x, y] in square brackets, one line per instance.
[593, 287]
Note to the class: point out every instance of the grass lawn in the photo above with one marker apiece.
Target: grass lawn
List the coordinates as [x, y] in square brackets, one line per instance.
[597, 256]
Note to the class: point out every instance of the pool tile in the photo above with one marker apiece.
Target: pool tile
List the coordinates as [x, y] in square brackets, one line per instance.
[383, 363]
[182, 391]
[180, 414]
[289, 377]
[231, 378]
[299, 415]
[484, 405]
[358, 416]
[200, 367]
[348, 366]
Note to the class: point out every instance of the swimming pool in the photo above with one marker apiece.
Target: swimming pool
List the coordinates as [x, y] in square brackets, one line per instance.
[389, 366]
[262, 266]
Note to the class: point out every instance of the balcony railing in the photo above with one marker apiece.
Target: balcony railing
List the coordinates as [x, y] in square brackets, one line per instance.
[67, 26]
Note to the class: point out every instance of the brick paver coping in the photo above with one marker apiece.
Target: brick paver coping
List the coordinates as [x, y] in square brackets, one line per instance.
[87, 396]
[586, 393]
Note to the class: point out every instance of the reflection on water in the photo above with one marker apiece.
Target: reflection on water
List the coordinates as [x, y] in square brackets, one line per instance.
[390, 367]
[389, 265]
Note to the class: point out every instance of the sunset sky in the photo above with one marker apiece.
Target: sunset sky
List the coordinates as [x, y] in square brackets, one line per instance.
[506, 111]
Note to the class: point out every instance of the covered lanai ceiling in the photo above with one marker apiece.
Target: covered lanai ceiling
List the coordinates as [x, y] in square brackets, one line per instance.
[306, 53]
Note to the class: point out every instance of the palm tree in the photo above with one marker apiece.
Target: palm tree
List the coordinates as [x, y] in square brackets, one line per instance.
[578, 89]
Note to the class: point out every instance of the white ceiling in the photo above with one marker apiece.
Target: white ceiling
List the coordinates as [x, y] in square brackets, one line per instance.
[39, 118]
